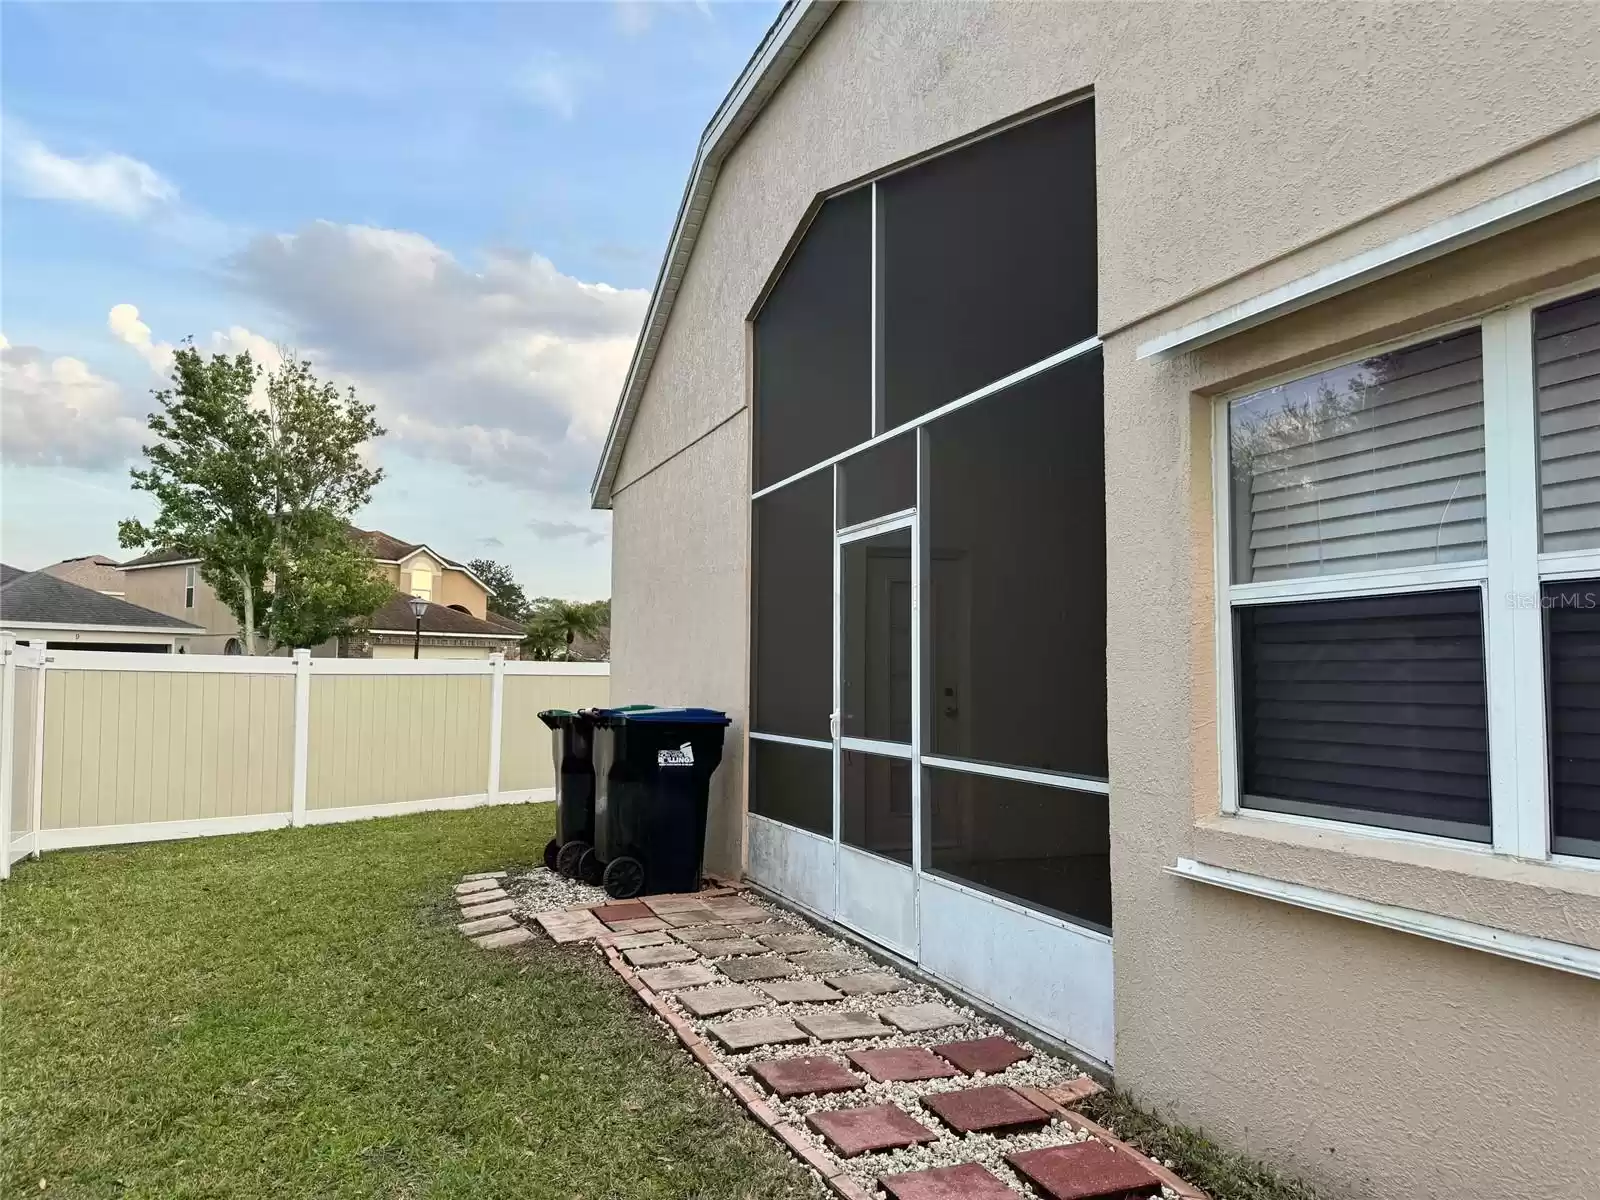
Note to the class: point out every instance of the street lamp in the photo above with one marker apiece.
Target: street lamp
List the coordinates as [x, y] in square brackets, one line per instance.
[418, 607]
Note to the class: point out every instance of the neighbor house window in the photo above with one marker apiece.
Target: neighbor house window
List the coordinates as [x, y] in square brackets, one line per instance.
[421, 581]
[1411, 544]
[188, 587]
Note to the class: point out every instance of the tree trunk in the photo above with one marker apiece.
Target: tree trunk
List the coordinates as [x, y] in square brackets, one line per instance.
[569, 646]
[249, 613]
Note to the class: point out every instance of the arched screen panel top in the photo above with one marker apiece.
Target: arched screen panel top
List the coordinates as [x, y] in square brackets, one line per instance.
[987, 260]
[813, 345]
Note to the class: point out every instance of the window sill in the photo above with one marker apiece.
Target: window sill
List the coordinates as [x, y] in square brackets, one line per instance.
[1533, 911]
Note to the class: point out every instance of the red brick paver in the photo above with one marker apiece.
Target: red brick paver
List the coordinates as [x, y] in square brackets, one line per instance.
[627, 910]
[853, 1131]
[989, 1055]
[1085, 1171]
[986, 1110]
[901, 1064]
[968, 1181]
[804, 1075]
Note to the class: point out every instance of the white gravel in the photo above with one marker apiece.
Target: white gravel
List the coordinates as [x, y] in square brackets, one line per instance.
[541, 890]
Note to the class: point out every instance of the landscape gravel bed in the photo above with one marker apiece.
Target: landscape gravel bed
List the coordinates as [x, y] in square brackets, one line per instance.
[541, 890]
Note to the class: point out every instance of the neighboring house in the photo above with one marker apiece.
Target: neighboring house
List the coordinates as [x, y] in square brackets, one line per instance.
[8, 573]
[1132, 473]
[455, 624]
[39, 609]
[94, 571]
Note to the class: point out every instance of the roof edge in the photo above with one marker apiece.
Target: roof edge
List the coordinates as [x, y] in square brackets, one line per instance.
[774, 58]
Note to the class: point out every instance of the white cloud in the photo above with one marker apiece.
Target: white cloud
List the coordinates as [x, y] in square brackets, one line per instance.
[58, 412]
[555, 531]
[123, 321]
[554, 83]
[508, 370]
[113, 183]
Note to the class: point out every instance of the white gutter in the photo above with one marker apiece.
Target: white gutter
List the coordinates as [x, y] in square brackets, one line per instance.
[1565, 189]
[73, 627]
[790, 34]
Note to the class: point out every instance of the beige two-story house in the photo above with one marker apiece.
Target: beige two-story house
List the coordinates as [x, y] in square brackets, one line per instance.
[456, 624]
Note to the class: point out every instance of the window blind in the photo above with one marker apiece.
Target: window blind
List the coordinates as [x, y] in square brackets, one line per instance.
[1567, 367]
[1370, 709]
[1366, 467]
[1572, 629]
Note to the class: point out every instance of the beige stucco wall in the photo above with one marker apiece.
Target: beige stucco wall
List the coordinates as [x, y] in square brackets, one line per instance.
[457, 587]
[1239, 146]
[161, 588]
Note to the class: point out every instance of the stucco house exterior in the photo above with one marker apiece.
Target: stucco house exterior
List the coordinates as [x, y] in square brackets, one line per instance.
[1132, 473]
[456, 624]
[39, 608]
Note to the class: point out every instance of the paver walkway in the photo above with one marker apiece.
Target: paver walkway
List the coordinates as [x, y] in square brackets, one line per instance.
[878, 1083]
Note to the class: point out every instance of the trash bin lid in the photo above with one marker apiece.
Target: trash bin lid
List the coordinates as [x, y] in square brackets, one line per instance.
[679, 716]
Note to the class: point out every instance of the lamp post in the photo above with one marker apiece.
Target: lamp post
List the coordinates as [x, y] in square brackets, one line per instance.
[418, 607]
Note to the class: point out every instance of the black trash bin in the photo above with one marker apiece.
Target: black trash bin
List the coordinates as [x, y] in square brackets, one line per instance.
[652, 769]
[571, 851]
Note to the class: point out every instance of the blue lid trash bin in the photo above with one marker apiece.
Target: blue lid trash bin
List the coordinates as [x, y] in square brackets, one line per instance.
[652, 770]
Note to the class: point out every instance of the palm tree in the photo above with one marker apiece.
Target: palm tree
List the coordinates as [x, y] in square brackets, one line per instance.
[556, 624]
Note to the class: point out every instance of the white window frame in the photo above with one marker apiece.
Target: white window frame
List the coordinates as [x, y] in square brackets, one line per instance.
[188, 587]
[1509, 579]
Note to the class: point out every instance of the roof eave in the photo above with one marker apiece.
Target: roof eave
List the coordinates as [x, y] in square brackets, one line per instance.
[790, 34]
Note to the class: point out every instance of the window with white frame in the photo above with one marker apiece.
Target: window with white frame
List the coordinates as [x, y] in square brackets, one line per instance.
[188, 587]
[1411, 549]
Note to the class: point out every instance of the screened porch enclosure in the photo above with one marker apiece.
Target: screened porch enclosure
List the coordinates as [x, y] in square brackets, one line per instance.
[927, 759]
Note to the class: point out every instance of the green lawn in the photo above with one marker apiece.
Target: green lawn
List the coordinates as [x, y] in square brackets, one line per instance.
[292, 1014]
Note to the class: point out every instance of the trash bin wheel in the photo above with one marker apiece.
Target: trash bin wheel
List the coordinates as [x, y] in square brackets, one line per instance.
[590, 869]
[551, 849]
[567, 859]
[624, 878]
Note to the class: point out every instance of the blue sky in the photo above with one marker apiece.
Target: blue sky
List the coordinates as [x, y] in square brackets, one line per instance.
[458, 208]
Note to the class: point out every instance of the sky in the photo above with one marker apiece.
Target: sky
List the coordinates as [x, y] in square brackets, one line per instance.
[458, 209]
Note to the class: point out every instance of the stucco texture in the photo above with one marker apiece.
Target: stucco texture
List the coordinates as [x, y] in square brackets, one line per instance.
[1238, 146]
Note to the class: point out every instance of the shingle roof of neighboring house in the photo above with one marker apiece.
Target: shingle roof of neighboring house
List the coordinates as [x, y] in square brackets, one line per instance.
[510, 625]
[91, 571]
[8, 573]
[160, 558]
[385, 547]
[395, 617]
[35, 598]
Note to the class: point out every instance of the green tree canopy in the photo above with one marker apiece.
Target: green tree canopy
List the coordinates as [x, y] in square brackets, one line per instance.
[555, 625]
[261, 492]
[506, 596]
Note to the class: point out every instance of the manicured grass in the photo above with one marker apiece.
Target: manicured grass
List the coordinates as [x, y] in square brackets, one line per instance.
[292, 1014]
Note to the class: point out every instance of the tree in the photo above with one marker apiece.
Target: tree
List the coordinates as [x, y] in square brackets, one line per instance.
[506, 596]
[556, 624]
[261, 493]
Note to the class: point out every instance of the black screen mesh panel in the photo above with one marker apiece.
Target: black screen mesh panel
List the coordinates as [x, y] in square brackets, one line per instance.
[988, 260]
[1017, 584]
[875, 804]
[792, 784]
[792, 687]
[813, 345]
[1370, 710]
[1572, 631]
[1046, 847]
[879, 481]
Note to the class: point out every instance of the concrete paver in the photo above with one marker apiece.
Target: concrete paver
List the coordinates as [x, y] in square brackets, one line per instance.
[632, 941]
[821, 962]
[487, 925]
[968, 1181]
[839, 1025]
[467, 886]
[805, 1075]
[751, 1032]
[579, 925]
[1085, 1171]
[491, 908]
[795, 943]
[655, 956]
[866, 983]
[640, 925]
[726, 947]
[800, 991]
[675, 978]
[743, 970]
[853, 1131]
[920, 1018]
[986, 1110]
[713, 1001]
